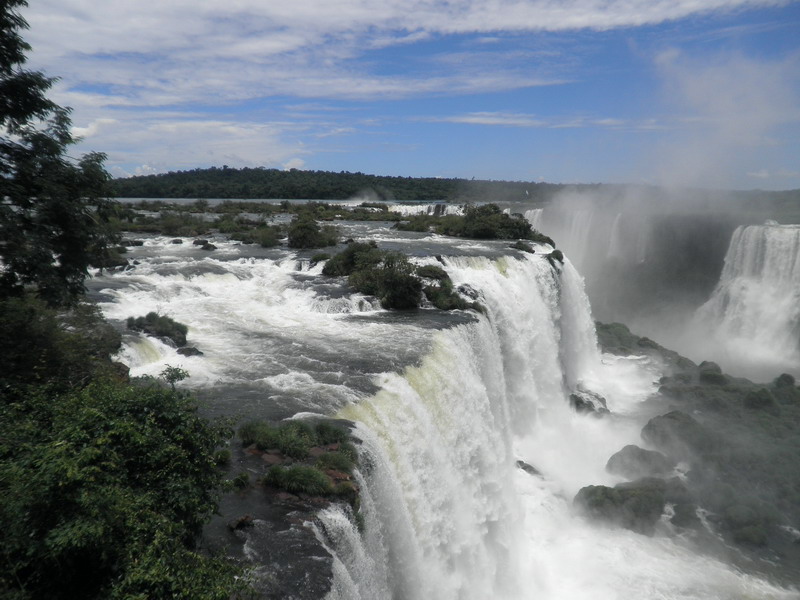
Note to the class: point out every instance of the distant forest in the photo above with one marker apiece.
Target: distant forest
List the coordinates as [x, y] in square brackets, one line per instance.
[295, 184]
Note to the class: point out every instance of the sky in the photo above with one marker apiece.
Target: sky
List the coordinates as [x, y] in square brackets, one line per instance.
[678, 92]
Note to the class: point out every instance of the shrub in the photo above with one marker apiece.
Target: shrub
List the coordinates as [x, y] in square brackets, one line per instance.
[241, 481]
[358, 255]
[433, 272]
[330, 434]
[299, 479]
[305, 233]
[337, 461]
[319, 257]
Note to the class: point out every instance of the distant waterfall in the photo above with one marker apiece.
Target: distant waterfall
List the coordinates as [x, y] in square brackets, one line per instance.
[755, 309]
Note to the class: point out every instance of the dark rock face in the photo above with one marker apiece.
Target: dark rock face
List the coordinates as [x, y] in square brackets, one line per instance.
[529, 469]
[199, 242]
[584, 401]
[761, 399]
[208, 246]
[176, 241]
[635, 505]
[678, 435]
[711, 374]
[633, 462]
[189, 351]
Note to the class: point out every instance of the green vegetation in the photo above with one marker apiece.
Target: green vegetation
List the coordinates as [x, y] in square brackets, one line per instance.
[159, 326]
[292, 438]
[304, 232]
[486, 221]
[741, 440]
[54, 210]
[297, 184]
[299, 479]
[393, 279]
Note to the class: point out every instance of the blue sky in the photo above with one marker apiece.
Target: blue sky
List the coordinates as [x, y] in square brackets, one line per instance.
[687, 92]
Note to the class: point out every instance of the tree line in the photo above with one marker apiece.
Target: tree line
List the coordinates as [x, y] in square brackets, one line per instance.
[294, 184]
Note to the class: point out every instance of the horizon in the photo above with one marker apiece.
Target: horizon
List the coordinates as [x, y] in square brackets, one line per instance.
[625, 94]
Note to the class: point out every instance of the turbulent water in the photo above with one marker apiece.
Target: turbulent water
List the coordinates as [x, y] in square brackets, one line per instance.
[754, 313]
[446, 404]
[665, 272]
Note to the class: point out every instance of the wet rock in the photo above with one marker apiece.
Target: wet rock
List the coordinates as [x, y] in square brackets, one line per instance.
[633, 462]
[711, 374]
[189, 351]
[761, 399]
[635, 505]
[272, 459]
[176, 241]
[529, 469]
[208, 246]
[241, 523]
[199, 242]
[585, 401]
[679, 435]
[133, 242]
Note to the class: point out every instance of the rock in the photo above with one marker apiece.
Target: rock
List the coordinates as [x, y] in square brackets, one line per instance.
[584, 401]
[529, 469]
[761, 399]
[678, 435]
[189, 351]
[208, 246]
[711, 374]
[241, 523]
[133, 242]
[176, 241]
[199, 242]
[634, 462]
[272, 459]
[635, 505]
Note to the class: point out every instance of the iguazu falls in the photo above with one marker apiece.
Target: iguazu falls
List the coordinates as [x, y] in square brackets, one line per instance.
[476, 429]
[428, 300]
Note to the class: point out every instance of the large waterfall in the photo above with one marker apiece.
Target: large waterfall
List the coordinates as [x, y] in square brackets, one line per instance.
[754, 312]
[446, 404]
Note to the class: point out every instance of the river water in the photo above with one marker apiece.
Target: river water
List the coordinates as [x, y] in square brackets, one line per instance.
[445, 404]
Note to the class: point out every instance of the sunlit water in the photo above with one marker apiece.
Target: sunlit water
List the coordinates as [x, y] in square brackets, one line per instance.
[445, 405]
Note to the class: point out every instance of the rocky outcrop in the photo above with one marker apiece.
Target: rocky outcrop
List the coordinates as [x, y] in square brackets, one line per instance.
[633, 462]
[635, 505]
[585, 401]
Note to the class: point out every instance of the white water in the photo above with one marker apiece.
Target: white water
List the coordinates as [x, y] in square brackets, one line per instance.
[444, 505]
[427, 209]
[754, 312]
[447, 514]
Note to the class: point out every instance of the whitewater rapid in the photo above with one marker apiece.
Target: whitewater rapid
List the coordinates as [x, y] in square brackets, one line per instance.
[446, 404]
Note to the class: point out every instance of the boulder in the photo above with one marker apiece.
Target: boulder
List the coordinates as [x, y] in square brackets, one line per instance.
[208, 246]
[678, 435]
[199, 242]
[529, 469]
[633, 462]
[711, 374]
[176, 241]
[585, 401]
[189, 351]
[635, 505]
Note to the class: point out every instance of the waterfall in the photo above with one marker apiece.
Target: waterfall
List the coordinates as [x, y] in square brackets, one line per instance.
[438, 209]
[448, 515]
[754, 312]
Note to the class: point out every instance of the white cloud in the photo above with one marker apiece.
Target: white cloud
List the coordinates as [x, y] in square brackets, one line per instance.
[734, 110]
[294, 163]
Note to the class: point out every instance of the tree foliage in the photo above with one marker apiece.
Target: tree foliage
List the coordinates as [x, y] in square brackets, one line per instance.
[53, 210]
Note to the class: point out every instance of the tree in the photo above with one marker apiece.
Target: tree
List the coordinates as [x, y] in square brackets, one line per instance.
[54, 210]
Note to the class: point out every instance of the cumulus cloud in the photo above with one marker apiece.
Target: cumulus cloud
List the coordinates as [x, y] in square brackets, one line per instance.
[124, 64]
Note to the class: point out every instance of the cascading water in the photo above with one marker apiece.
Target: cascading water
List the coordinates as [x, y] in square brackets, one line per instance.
[446, 404]
[447, 513]
[754, 312]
